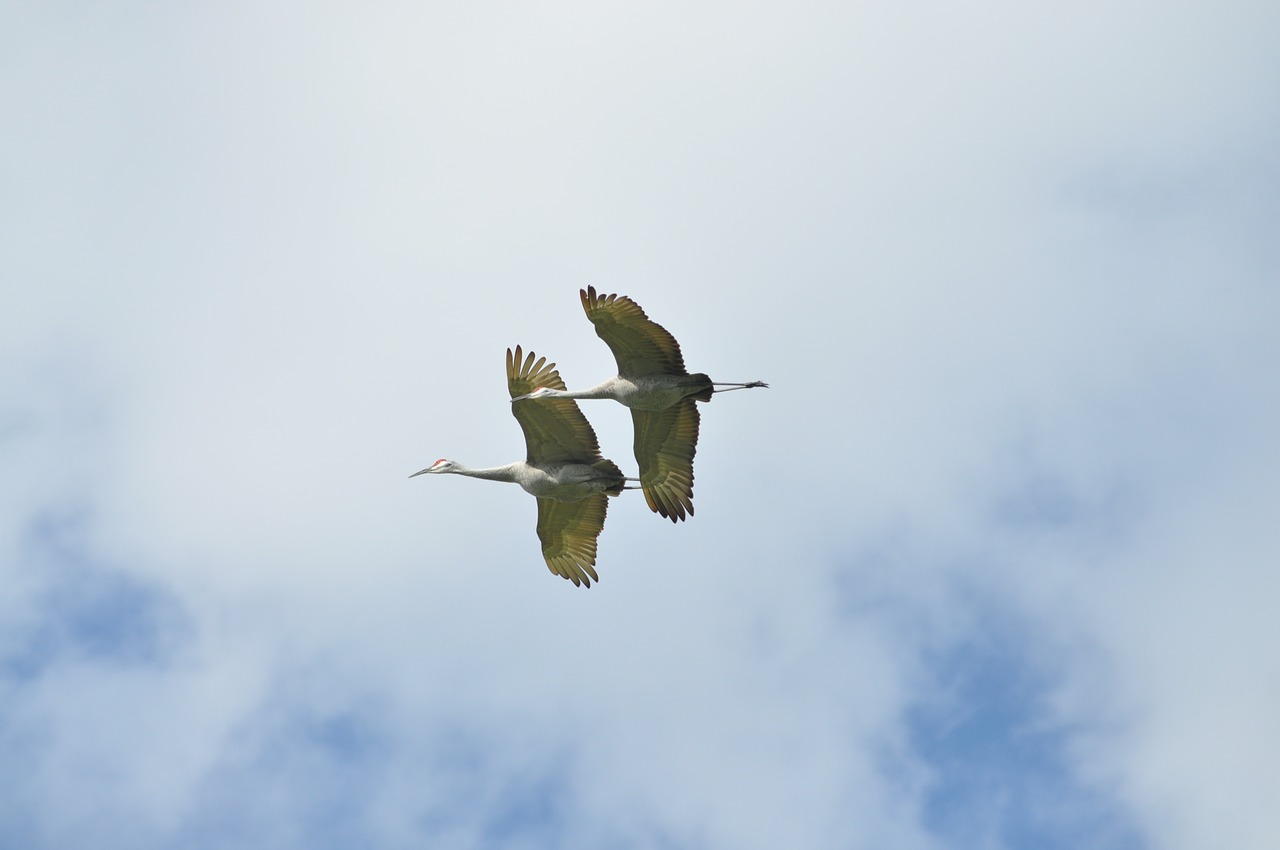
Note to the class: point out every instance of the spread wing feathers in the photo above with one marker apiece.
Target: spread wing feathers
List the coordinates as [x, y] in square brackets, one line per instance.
[554, 429]
[666, 441]
[568, 531]
[640, 345]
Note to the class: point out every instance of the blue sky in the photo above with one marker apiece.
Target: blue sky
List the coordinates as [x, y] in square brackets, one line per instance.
[992, 564]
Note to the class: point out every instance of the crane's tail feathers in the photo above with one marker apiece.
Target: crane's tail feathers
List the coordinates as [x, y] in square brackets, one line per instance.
[612, 477]
[703, 394]
[608, 467]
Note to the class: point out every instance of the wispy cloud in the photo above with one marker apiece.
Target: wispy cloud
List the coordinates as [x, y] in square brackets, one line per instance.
[987, 566]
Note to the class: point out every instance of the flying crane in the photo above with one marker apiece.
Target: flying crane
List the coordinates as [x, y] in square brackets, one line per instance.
[653, 382]
[563, 468]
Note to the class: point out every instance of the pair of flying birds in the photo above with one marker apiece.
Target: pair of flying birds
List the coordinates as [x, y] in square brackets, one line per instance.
[564, 468]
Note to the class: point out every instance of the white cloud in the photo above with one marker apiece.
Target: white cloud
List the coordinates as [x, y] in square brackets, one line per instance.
[1005, 269]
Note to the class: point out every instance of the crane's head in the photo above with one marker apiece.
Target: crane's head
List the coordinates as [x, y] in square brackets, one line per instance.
[540, 392]
[441, 465]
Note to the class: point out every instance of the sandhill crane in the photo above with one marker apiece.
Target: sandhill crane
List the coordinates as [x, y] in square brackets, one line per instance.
[563, 469]
[662, 395]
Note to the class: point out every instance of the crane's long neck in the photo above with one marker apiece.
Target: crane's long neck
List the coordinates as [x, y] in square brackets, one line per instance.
[605, 389]
[510, 472]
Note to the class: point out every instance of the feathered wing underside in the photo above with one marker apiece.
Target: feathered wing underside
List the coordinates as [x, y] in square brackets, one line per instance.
[555, 431]
[666, 441]
[640, 345]
[568, 531]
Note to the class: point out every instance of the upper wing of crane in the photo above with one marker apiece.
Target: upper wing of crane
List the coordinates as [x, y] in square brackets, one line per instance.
[666, 441]
[568, 531]
[640, 345]
[555, 430]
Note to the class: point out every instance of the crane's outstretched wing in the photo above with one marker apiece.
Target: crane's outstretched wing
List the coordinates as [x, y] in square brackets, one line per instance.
[555, 431]
[568, 531]
[640, 345]
[666, 441]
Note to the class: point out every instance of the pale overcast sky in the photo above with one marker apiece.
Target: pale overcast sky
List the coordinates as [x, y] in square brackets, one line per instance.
[992, 564]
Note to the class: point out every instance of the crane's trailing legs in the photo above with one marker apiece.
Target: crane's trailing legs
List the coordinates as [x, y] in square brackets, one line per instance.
[750, 385]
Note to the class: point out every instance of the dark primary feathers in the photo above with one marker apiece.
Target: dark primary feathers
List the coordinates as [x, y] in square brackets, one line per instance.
[640, 345]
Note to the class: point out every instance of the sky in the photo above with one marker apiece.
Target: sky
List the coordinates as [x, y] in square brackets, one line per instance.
[991, 565]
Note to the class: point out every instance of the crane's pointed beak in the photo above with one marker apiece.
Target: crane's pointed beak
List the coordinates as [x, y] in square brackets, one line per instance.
[419, 472]
[520, 398]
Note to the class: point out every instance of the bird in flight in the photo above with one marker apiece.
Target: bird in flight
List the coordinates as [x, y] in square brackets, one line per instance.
[563, 469]
[653, 382]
